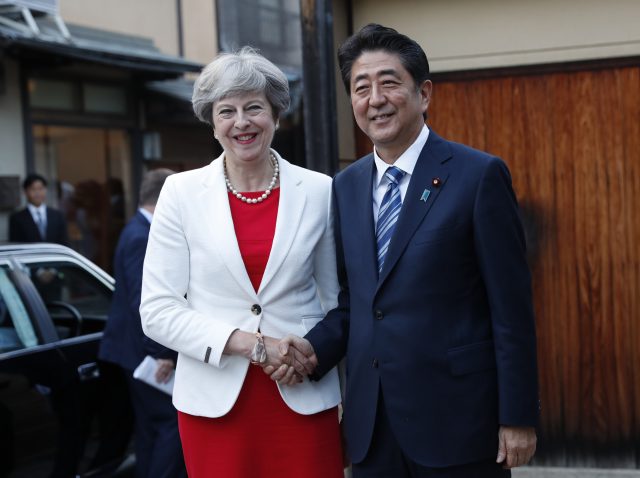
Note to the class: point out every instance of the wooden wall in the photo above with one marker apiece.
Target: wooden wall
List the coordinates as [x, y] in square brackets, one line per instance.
[572, 142]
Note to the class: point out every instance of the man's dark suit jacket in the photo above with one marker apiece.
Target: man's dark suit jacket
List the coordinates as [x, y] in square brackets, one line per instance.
[124, 343]
[22, 228]
[447, 330]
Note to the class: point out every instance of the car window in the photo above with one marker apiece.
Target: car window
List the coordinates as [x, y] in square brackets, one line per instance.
[69, 283]
[16, 329]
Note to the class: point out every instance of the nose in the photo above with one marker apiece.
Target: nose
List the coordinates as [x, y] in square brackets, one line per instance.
[242, 121]
[377, 97]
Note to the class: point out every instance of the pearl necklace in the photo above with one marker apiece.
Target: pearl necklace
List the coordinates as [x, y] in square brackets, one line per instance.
[265, 195]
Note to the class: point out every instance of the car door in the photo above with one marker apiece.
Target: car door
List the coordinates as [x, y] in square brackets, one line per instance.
[33, 377]
[73, 301]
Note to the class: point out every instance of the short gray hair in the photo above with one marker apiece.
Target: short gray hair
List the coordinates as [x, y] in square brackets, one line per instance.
[152, 185]
[244, 71]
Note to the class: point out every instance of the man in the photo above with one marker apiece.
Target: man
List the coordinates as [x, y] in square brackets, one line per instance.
[158, 450]
[37, 222]
[435, 312]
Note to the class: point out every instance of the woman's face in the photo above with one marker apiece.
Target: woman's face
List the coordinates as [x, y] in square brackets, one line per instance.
[244, 126]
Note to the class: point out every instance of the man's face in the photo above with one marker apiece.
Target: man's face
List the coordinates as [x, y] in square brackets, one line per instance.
[36, 193]
[387, 104]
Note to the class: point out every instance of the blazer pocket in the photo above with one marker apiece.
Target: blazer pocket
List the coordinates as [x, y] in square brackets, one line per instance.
[437, 235]
[472, 358]
[309, 321]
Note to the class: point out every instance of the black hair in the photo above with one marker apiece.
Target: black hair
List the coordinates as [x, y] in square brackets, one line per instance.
[374, 37]
[32, 178]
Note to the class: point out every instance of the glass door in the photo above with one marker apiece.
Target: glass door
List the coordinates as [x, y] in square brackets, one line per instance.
[90, 176]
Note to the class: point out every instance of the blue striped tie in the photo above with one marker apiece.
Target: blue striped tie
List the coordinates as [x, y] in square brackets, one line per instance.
[388, 213]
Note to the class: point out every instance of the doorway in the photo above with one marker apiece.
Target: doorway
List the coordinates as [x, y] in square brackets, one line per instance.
[90, 175]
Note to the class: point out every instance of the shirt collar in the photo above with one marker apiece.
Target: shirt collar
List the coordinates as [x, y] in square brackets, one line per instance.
[147, 215]
[407, 160]
[42, 208]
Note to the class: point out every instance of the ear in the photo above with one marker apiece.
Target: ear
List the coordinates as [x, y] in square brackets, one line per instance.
[425, 95]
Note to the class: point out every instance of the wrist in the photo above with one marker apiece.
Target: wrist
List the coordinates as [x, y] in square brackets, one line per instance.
[240, 343]
[259, 350]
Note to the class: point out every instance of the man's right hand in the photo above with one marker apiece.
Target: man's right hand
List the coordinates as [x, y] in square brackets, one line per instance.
[302, 353]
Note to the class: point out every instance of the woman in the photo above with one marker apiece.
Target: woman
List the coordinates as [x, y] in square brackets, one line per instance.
[240, 254]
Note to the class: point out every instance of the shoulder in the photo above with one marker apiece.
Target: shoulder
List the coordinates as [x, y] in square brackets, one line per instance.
[471, 159]
[20, 213]
[310, 179]
[188, 179]
[355, 170]
[52, 212]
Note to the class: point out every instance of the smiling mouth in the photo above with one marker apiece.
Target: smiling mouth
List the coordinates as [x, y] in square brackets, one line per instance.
[243, 138]
[381, 117]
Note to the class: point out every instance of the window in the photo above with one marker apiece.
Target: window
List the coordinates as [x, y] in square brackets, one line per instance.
[16, 329]
[77, 300]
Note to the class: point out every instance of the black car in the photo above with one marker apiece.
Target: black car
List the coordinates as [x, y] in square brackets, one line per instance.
[53, 307]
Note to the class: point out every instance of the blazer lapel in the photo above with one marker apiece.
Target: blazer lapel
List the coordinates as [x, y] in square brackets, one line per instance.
[362, 219]
[220, 223]
[417, 203]
[290, 209]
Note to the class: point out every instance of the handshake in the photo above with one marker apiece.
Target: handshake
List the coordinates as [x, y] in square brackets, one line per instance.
[289, 360]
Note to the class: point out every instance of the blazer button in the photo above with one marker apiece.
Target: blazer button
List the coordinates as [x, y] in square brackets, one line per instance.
[256, 309]
[375, 363]
[379, 314]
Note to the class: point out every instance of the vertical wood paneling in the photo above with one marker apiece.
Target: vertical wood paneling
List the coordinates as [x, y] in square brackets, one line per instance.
[572, 142]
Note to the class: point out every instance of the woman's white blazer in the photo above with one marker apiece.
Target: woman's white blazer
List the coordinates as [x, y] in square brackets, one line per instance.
[196, 291]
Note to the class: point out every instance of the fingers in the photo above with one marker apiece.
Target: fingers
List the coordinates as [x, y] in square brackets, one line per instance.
[502, 449]
[301, 352]
[285, 375]
[516, 446]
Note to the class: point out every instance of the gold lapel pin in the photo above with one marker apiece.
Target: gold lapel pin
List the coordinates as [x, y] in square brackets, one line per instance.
[436, 182]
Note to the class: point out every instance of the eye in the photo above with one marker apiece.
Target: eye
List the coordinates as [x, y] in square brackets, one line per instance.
[255, 109]
[225, 112]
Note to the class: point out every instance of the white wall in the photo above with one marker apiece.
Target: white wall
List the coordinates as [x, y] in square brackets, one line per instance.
[12, 157]
[155, 19]
[472, 34]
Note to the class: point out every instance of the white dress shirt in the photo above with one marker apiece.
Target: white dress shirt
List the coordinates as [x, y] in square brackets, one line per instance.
[406, 162]
[147, 215]
[38, 213]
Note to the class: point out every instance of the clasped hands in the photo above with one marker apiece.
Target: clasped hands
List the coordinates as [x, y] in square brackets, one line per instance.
[289, 360]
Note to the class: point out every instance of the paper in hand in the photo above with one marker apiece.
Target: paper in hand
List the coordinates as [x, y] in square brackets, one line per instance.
[146, 372]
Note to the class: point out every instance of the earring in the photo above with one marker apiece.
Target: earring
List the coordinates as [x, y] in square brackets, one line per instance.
[215, 135]
[277, 125]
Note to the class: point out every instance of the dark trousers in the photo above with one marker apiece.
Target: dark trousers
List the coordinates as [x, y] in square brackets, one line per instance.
[385, 459]
[157, 441]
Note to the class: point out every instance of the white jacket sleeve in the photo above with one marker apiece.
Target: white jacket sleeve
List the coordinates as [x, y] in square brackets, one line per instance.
[166, 315]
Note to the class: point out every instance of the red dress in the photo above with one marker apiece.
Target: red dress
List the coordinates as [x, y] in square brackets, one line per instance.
[261, 436]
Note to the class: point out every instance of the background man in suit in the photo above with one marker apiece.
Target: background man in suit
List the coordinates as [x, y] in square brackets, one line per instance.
[158, 450]
[435, 312]
[37, 222]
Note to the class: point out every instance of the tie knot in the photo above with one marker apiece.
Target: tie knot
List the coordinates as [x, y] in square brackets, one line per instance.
[394, 174]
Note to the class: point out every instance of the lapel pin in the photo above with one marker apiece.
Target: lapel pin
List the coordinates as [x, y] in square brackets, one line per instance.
[425, 195]
[436, 182]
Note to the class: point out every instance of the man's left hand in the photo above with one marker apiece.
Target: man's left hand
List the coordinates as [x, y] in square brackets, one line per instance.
[516, 445]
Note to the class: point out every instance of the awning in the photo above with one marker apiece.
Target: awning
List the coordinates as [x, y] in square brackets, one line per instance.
[181, 89]
[95, 46]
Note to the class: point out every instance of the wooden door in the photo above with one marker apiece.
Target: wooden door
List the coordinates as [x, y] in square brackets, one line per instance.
[572, 142]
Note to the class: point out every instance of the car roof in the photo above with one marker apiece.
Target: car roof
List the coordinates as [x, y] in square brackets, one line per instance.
[8, 249]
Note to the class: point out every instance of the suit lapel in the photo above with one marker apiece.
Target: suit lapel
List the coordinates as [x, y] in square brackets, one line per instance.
[362, 196]
[430, 165]
[222, 233]
[290, 209]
